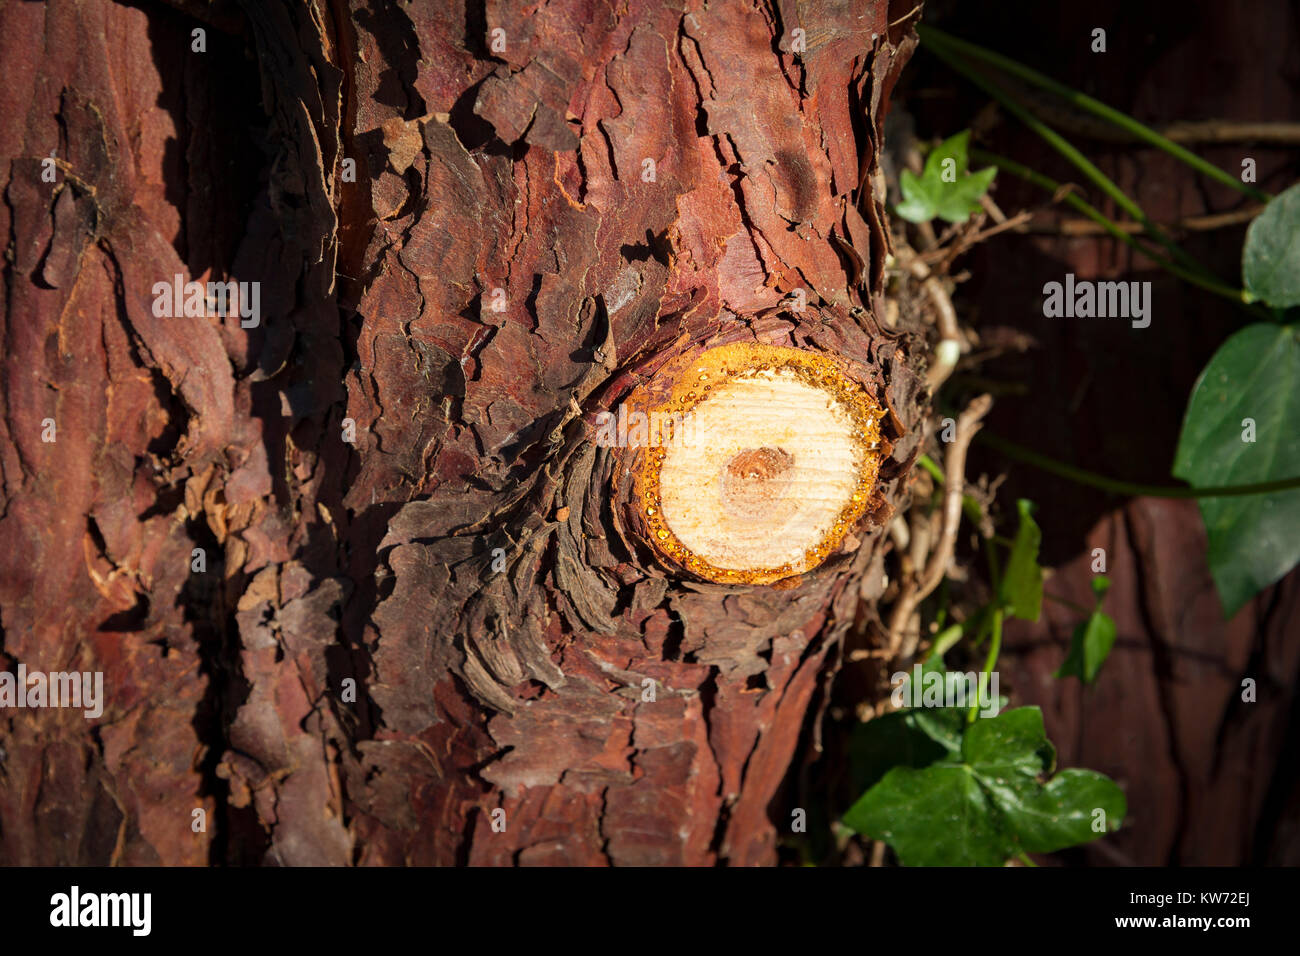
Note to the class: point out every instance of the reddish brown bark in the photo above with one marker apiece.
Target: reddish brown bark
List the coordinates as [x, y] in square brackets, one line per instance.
[328, 561]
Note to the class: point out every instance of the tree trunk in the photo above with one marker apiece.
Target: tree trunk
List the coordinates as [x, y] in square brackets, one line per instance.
[363, 582]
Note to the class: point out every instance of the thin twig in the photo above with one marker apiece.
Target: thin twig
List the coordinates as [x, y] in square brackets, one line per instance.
[914, 591]
[945, 355]
[908, 15]
[943, 256]
[992, 208]
[1227, 131]
[1086, 227]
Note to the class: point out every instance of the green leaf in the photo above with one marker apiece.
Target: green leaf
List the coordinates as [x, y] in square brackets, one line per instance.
[1007, 757]
[1089, 647]
[1254, 375]
[944, 189]
[957, 201]
[917, 205]
[1270, 260]
[904, 738]
[1014, 742]
[987, 803]
[938, 816]
[954, 148]
[1021, 590]
[891, 740]
[1059, 814]
[943, 725]
[1092, 639]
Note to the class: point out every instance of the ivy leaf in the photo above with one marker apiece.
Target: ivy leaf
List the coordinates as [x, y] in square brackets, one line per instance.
[1022, 584]
[1270, 260]
[1060, 813]
[962, 198]
[891, 740]
[917, 204]
[987, 803]
[1254, 375]
[1092, 640]
[907, 737]
[911, 737]
[943, 725]
[944, 189]
[1013, 743]
[937, 816]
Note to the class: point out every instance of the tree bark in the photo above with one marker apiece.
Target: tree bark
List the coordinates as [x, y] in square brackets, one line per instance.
[363, 585]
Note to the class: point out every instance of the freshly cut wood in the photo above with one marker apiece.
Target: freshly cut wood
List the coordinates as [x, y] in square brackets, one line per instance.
[770, 462]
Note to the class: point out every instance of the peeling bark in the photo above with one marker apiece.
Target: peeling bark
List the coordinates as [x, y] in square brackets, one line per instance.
[394, 476]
